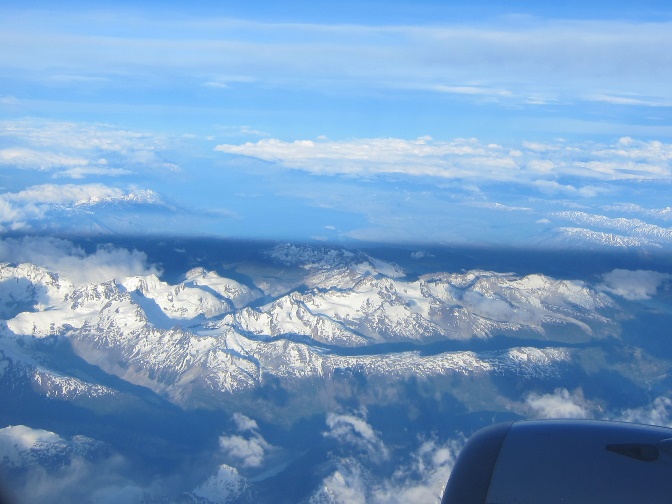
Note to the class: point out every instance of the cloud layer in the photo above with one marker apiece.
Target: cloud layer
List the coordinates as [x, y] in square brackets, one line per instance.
[534, 163]
[78, 150]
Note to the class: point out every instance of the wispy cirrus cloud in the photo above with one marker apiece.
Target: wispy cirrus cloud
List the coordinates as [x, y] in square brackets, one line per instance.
[534, 57]
[628, 100]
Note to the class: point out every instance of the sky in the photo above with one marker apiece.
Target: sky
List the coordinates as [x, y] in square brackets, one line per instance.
[440, 122]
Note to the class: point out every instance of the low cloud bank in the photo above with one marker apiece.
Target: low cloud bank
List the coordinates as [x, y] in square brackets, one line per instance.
[633, 285]
[72, 262]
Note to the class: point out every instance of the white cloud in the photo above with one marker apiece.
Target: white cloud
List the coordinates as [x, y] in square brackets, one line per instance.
[659, 412]
[9, 100]
[353, 430]
[627, 100]
[248, 452]
[244, 423]
[424, 479]
[420, 157]
[472, 90]
[65, 146]
[67, 194]
[72, 262]
[421, 479]
[539, 147]
[541, 165]
[419, 254]
[249, 449]
[500, 207]
[538, 164]
[554, 187]
[560, 404]
[633, 284]
[32, 159]
[347, 485]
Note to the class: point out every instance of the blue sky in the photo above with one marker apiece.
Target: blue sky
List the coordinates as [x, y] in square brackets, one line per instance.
[441, 122]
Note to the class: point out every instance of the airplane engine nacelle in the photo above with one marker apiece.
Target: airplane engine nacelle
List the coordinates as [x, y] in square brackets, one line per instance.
[564, 461]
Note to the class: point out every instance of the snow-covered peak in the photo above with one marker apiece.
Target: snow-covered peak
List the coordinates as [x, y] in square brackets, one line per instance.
[195, 273]
[179, 301]
[226, 486]
[144, 284]
[240, 295]
[140, 196]
[26, 286]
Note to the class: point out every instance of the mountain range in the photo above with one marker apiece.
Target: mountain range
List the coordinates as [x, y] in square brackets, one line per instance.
[316, 331]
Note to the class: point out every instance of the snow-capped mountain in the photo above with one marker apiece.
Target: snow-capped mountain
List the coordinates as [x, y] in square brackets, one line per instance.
[25, 287]
[628, 227]
[135, 328]
[237, 294]
[454, 306]
[583, 236]
[227, 486]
